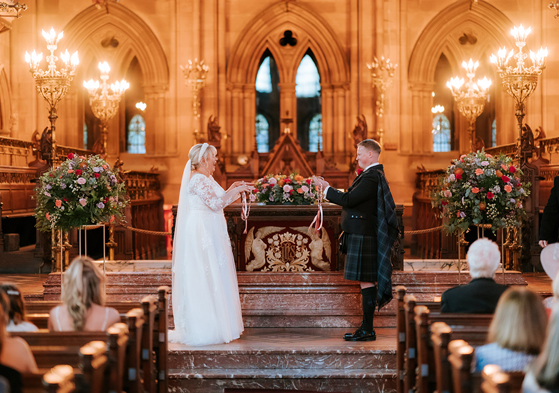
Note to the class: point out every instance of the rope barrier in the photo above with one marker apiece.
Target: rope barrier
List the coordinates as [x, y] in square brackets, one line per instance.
[421, 231]
[159, 233]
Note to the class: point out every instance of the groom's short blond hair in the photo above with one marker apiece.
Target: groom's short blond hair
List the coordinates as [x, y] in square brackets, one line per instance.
[370, 144]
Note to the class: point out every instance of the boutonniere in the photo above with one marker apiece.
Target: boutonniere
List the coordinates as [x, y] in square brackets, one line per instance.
[359, 171]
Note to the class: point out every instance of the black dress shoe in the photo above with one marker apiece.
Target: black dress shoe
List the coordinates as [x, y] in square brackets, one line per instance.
[361, 335]
[348, 335]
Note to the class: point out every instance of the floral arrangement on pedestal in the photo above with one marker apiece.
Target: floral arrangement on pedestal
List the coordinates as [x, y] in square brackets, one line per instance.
[290, 189]
[81, 191]
[481, 189]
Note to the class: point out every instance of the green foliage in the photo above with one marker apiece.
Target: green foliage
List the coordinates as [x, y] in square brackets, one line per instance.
[481, 189]
[81, 191]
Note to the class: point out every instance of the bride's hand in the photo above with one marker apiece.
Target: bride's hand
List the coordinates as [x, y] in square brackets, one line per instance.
[241, 183]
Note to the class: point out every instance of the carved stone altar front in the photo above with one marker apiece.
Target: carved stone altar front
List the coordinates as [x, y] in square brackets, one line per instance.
[278, 239]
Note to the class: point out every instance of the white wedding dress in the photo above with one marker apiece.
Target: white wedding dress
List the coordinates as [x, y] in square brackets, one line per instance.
[205, 294]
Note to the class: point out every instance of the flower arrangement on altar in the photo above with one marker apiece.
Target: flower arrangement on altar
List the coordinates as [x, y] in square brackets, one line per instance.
[81, 191]
[290, 189]
[481, 189]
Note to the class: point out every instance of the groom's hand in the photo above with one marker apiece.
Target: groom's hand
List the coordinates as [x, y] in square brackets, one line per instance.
[320, 182]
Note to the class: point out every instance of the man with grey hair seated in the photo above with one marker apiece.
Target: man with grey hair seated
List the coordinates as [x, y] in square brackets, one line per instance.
[479, 296]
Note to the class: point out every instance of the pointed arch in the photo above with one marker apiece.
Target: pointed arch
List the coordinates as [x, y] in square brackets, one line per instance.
[442, 32]
[441, 36]
[264, 32]
[136, 39]
[118, 37]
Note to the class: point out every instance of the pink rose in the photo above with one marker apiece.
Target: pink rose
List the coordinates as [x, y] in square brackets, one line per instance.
[475, 190]
[82, 181]
[287, 188]
[305, 188]
[83, 201]
[447, 193]
[508, 188]
[479, 171]
[58, 203]
[47, 216]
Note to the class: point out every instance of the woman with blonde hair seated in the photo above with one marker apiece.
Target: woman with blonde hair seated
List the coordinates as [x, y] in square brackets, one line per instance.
[15, 355]
[517, 332]
[543, 374]
[83, 298]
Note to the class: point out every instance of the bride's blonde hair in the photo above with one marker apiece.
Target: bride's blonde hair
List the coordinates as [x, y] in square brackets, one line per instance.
[83, 286]
[195, 161]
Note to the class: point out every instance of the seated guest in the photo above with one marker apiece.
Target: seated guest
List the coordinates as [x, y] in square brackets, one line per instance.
[479, 296]
[543, 374]
[550, 301]
[517, 332]
[83, 298]
[15, 356]
[17, 310]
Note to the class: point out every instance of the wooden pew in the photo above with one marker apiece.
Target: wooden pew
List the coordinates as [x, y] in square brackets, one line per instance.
[472, 327]
[161, 341]
[115, 340]
[464, 380]
[93, 363]
[494, 380]
[406, 350]
[149, 306]
[133, 377]
[60, 379]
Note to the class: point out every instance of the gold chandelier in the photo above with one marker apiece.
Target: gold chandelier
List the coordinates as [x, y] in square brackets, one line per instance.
[104, 104]
[195, 76]
[470, 96]
[11, 9]
[382, 73]
[53, 83]
[519, 80]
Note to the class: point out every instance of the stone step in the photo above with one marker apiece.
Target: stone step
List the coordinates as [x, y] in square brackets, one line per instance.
[302, 359]
[292, 299]
[282, 359]
[316, 380]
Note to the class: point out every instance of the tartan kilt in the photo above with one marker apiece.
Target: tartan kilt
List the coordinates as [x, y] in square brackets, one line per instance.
[361, 258]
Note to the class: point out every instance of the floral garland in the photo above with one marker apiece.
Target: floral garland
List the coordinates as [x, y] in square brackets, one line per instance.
[481, 189]
[290, 189]
[80, 191]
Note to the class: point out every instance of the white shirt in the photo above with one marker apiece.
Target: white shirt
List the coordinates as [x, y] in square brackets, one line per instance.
[370, 166]
[21, 327]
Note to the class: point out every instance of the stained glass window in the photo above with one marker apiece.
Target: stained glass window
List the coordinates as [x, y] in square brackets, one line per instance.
[441, 133]
[137, 135]
[494, 133]
[262, 133]
[315, 133]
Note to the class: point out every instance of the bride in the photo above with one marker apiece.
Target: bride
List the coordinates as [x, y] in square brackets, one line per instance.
[205, 295]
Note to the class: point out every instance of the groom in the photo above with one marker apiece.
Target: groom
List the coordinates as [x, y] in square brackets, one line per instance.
[370, 229]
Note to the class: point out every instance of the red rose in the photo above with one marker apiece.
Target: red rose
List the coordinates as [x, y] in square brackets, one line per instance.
[70, 156]
[359, 171]
[444, 203]
[490, 195]
[97, 175]
[506, 179]
[309, 181]
[79, 172]
[255, 190]
[51, 174]
[65, 200]
[458, 176]
[512, 169]
[290, 192]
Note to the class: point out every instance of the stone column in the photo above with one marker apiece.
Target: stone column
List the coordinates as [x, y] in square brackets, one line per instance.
[249, 118]
[155, 120]
[422, 139]
[288, 105]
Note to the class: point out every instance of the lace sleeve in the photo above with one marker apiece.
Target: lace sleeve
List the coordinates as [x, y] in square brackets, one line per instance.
[202, 186]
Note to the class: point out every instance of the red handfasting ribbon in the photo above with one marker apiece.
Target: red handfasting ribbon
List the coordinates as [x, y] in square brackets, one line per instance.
[245, 210]
[318, 219]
